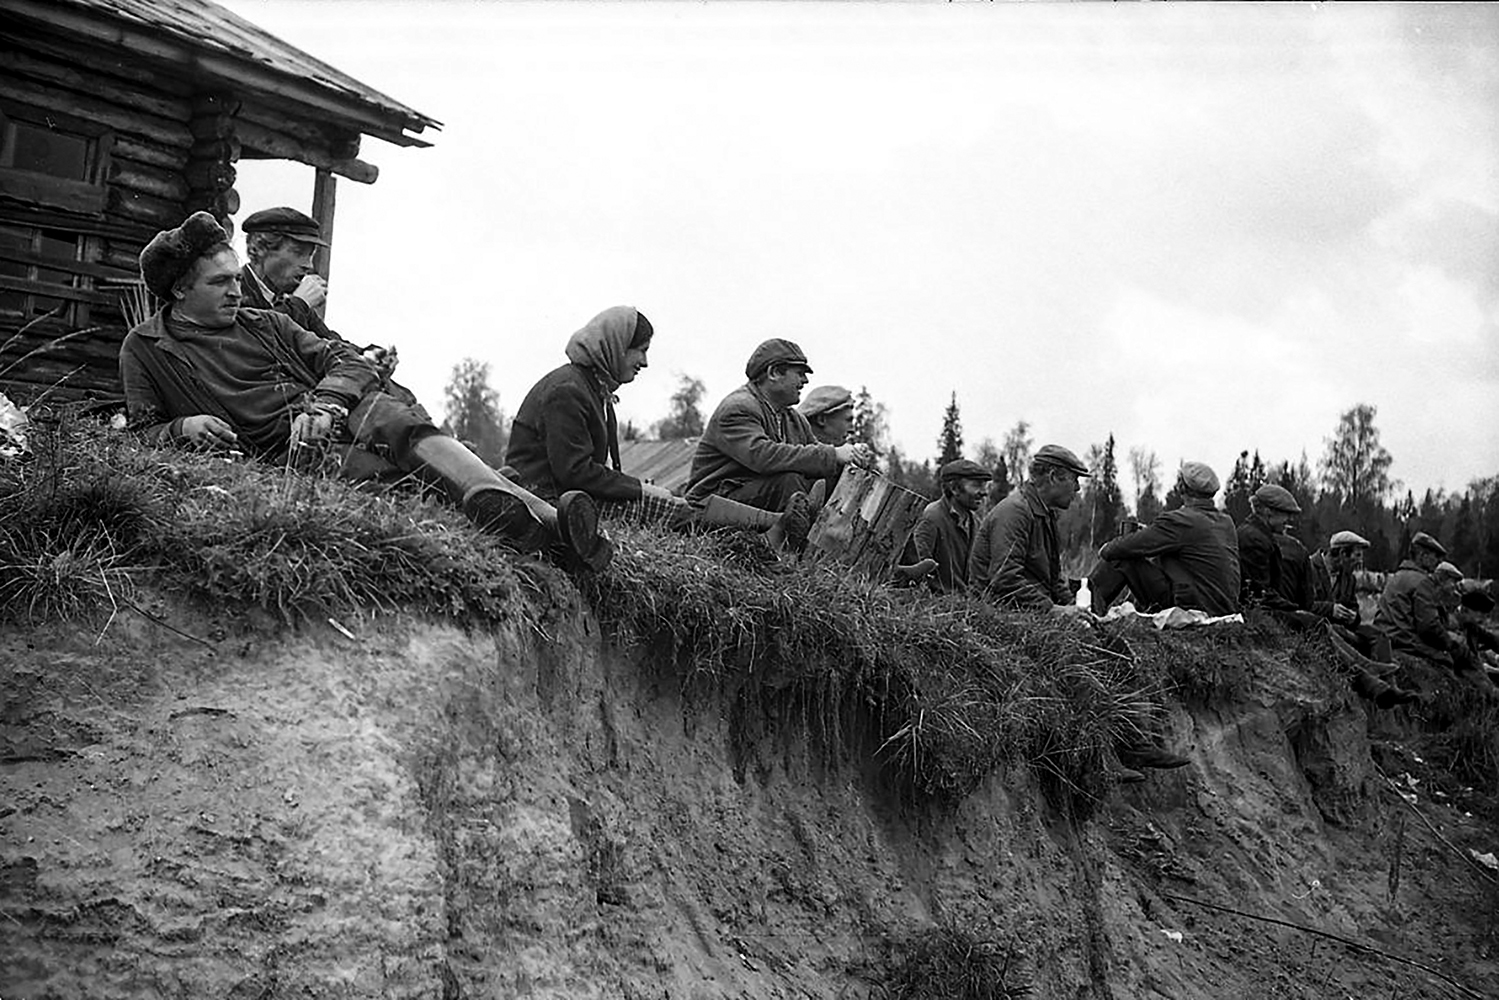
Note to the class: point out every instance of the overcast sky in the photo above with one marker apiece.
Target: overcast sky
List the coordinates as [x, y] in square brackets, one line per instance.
[1202, 228]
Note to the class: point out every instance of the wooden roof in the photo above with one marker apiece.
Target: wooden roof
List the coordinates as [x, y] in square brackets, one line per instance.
[665, 463]
[203, 40]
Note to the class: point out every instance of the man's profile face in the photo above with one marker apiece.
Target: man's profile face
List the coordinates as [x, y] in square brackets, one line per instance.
[283, 268]
[969, 493]
[1061, 489]
[209, 293]
[784, 384]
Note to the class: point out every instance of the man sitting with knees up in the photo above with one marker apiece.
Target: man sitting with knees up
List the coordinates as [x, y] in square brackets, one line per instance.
[206, 372]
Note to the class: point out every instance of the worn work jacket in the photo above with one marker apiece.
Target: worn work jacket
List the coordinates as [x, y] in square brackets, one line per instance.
[1297, 576]
[1331, 587]
[1198, 550]
[1410, 613]
[750, 438]
[1262, 568]
[563, 435]
[163, 386]
[944, 533]
[1015, 559]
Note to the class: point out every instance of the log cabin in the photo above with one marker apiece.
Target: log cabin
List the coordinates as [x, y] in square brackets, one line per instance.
[119, 118]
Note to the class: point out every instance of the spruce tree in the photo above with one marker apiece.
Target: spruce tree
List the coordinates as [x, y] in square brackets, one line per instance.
[950, 444]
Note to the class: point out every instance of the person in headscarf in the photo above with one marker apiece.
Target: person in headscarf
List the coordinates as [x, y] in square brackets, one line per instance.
[565, 436]
[206, 372]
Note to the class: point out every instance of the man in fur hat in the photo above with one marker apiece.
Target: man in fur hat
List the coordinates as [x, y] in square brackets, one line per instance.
[204, 371]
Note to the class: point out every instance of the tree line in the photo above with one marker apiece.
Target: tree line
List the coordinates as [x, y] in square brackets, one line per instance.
[1349, 488]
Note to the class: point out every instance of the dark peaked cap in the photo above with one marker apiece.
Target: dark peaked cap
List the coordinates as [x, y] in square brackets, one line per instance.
[286, 222]
[172, 252]
[962, 468]
[1055, 454]
[774, 352]
[1424, 541]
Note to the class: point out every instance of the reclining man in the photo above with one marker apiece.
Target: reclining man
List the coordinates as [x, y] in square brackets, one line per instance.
[757, 449]
[1187, 557]
[204, 371]
[282, 245]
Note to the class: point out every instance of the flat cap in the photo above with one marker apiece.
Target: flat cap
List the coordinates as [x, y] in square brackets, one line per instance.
[772, 352]
[1447, 570]
[825, 399]
[172, 252]
[1277, 498]
[1348, 539]
[962, 468]
[1055, 454]
[1198, 478]
[1425, 541]
[286, 222]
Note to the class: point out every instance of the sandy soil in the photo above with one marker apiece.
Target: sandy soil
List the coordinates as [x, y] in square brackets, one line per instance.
[420, 812]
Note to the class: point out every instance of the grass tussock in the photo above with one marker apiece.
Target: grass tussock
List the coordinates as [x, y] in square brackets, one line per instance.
[93, 512]
[947, 963]
[950, 689]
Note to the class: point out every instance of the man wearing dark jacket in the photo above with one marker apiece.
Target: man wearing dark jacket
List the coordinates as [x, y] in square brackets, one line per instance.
[1016, 560]
[1263, 573]
[203, 371]
[1410, 612]
[945, 530]
[282, 244]
[757, 449]
[1187, 557]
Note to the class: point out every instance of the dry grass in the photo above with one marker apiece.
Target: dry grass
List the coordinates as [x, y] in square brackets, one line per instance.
[947, 963]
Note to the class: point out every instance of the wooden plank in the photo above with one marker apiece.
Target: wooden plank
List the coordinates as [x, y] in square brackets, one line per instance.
[106, 60]
[154, 181]
[118, 229]
[71, 266]
[87, 82]
[221, 150]
[144, 208]
[49, 290]
[53, 192]
[105, 113]
[285, 147]
[324, 195]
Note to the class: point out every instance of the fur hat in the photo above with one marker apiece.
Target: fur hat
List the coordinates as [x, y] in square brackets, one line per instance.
[172, 252]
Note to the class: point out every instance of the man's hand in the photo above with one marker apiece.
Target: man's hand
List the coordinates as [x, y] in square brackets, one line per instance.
[384, 359]
[308, 430]
[855, 454]
[1344, 615]
[313, 290]
[208, 431]
[653, 491]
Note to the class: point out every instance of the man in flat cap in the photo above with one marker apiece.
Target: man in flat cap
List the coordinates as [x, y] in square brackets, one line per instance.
[1187, 557]
[282, 244]
[945, 531]
[203, 371]
[1263, 578]
[1016, 559]
[757, 448]
[829, 410]
[1410, 610]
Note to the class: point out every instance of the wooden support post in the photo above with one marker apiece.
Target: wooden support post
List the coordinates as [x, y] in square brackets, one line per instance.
[324, 194]
[866, 522]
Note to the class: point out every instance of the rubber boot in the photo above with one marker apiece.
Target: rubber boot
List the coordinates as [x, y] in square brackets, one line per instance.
[787, 529]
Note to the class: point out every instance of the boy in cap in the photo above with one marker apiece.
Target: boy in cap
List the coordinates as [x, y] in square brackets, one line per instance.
[1016, 559]
[203, 371]
[1187, 557]
[945, 530]
[282, 244]
[757, 448]
[829, 410]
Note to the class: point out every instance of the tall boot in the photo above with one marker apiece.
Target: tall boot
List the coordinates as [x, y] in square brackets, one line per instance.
[788, 528]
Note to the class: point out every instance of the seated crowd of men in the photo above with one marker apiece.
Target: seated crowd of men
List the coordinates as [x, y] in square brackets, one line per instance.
[240, 358]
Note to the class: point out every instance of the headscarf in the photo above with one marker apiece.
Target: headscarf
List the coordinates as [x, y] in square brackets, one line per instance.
[602, 343]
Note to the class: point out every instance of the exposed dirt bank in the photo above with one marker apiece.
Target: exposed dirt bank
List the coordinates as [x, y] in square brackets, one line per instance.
[421, 812]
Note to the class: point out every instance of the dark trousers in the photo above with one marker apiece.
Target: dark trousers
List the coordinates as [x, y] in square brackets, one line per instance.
[769, 492]
[1146, 581]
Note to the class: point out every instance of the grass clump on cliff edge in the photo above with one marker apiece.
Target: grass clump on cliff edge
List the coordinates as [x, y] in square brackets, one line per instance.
[949, 688]
[93, 514]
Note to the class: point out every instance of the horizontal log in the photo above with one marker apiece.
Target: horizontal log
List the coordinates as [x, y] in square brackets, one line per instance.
[86, 268]
[210, 127]
[285, 121]
[53, 192]
[147, 179]
[86, 81]
[94, 353]
[142, 207]
[284, 147]
[106, 60]
[47, 289]
[101, 112]
[208, 175]
[122, 258]
[65, 380]
[166, 157]
[221, 205]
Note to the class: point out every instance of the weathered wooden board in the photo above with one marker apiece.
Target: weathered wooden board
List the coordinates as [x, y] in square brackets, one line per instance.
[865, 523]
